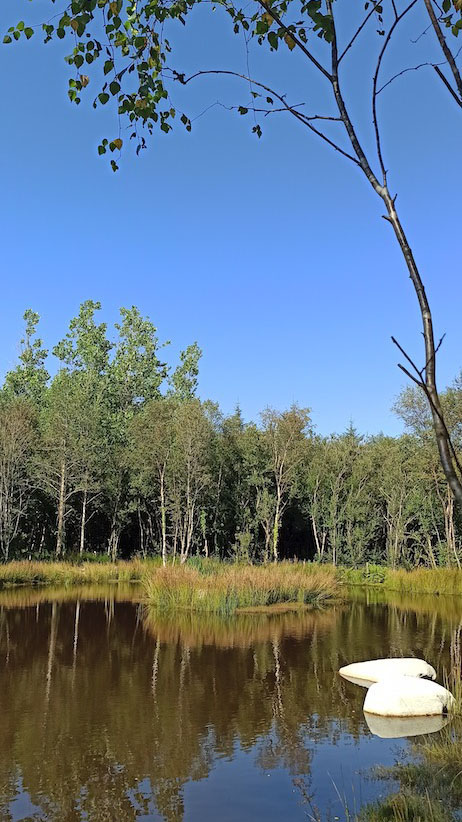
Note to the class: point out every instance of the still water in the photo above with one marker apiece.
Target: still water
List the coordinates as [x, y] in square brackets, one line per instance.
[110, 712]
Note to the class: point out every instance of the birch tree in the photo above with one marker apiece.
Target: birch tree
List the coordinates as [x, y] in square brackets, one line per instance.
[284, 433]
[17, 440]
[135, 45]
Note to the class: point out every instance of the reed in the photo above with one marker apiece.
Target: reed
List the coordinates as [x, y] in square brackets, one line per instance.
[66, 573]
[224, 589]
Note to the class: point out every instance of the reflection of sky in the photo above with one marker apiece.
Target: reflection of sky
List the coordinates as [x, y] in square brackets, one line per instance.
[22, 806]
[238, 790]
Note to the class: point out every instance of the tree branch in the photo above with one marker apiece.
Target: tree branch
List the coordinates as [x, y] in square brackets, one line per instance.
[447, 53]
[448, 85]
[303, 118]
[296, 40]
[374, 86]
[419, 380]
[359, 30]
[405, 71]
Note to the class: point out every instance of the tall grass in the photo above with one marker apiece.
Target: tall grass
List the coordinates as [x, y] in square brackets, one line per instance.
[417, 581]
[224, 589]
[66, 573]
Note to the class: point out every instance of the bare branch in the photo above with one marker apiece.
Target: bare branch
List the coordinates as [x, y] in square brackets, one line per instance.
[405, 71]
[421, 383]
[359, 30]
[303, 118]
[447, 53]
[374, 86]
[345, 117]
[448, 85]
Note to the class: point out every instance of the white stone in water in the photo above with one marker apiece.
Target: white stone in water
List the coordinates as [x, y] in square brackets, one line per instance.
[407, 696]
[365, 673]
[396, 727]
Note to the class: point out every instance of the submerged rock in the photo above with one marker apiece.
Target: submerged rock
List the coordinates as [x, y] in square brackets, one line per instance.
[373, 670]
[401, 696]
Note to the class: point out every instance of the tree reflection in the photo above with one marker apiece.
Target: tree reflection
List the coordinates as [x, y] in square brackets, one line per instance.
[108, 710]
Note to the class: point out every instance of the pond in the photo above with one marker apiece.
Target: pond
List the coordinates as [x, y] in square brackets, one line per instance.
[109, 711]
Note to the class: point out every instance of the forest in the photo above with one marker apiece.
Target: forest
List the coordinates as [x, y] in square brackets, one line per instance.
[115, 456]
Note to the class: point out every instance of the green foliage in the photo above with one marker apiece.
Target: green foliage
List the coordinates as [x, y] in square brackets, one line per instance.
[130, 51]
[118, 455]
[134, 46]
[183, 381]
[30, 376]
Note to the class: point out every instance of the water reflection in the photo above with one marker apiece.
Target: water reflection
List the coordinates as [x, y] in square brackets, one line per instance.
[110, 712]
[396, 727]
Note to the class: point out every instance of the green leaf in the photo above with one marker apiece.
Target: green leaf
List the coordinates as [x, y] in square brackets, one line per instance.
[108, 66]
[28, 32]
[273, 40]
[103, 98]
[7, 39]
[114, 87]
[242, 110]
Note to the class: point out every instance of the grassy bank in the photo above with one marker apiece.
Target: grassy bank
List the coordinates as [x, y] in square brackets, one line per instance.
[417, 581]
[223, 589]
[67, 573]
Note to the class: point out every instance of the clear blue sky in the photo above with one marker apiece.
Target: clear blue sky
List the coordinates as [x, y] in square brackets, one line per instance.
[270, 253]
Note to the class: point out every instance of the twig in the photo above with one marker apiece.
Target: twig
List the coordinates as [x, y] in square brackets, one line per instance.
[447, 53]
[404, 71]
[303, 118]
[359, 30]
[419, 380]
[374, 87]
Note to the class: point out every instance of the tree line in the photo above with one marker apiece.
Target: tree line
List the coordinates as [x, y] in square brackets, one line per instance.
[116, 455]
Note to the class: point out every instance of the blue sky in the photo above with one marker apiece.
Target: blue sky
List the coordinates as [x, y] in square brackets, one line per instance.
[271, 253]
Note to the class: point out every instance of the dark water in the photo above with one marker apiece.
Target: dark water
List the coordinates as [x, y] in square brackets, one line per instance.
[108, 712]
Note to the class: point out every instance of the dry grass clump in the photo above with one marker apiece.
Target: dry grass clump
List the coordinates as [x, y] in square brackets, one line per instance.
[66, 573]
[225, 589]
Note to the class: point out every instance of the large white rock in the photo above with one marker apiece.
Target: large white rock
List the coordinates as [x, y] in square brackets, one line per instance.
[365, 673]
[407, 696]
[396, 727]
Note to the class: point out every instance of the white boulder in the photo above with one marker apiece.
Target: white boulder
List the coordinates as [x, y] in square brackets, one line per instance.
[373, 670]
[407, 696]
[396, 727]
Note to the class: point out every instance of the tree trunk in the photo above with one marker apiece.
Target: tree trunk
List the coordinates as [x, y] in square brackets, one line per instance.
[443, 440]
[84, 517]
[163, 518]
[276, 526]
[61, 510]
[140, 524]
